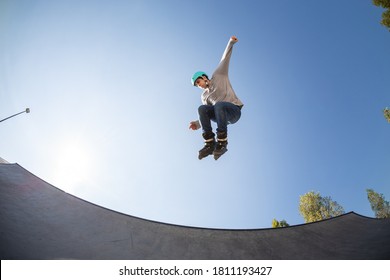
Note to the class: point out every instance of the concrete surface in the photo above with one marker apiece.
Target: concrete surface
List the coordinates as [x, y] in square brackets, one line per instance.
[39, 221]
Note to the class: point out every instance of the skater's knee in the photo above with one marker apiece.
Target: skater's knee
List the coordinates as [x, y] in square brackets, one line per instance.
[221, 109]
[220, 106]
[202, 108]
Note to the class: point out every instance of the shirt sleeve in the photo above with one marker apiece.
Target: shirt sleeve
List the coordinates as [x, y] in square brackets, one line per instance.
[198, 125]
[223, 67]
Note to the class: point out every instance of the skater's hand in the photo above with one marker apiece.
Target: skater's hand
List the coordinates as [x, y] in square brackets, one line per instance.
[194, 125]
[234, 39]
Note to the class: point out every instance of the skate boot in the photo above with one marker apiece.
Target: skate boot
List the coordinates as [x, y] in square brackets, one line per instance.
[221, 146]
[209, 145]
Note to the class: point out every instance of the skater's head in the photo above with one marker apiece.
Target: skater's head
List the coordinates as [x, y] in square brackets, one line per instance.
[200, 79]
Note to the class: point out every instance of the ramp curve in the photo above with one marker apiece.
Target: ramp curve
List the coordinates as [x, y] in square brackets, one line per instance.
[39, 221]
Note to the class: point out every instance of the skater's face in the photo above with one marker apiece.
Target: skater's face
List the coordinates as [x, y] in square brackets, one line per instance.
[202, 82]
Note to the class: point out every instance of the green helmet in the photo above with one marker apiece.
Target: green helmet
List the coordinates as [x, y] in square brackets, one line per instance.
[196, 76]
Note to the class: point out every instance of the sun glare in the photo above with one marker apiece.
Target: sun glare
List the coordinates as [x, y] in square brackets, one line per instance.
[73, 165]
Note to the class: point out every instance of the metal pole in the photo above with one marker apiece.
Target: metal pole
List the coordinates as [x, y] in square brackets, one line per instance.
[25, 111]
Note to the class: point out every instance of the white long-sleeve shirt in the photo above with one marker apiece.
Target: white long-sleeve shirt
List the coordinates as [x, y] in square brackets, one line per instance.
[220, 88]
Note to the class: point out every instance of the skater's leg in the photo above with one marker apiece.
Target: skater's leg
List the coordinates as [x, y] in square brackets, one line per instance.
[223, 113]
[226, 113]
[209, 145]
[221, 145]
[206, 115]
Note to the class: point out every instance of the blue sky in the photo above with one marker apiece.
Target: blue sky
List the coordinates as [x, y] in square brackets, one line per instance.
[108, 87]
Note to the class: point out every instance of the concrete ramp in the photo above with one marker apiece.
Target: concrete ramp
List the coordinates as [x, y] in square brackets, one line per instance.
[39, 221]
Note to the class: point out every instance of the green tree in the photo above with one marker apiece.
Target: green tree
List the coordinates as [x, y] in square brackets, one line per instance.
[313, 207]
[277, 224]
[386, 14]
[379, 205]
[386, 113]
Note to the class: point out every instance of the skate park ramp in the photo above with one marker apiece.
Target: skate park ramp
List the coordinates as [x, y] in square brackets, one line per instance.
[39, 221]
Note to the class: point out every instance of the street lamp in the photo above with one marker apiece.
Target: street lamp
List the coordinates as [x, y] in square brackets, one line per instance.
[25, 111]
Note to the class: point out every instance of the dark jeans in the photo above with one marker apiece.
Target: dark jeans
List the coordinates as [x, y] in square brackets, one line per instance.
[223, 113]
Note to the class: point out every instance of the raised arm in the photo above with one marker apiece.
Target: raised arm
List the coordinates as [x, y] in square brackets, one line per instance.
[223, 67]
